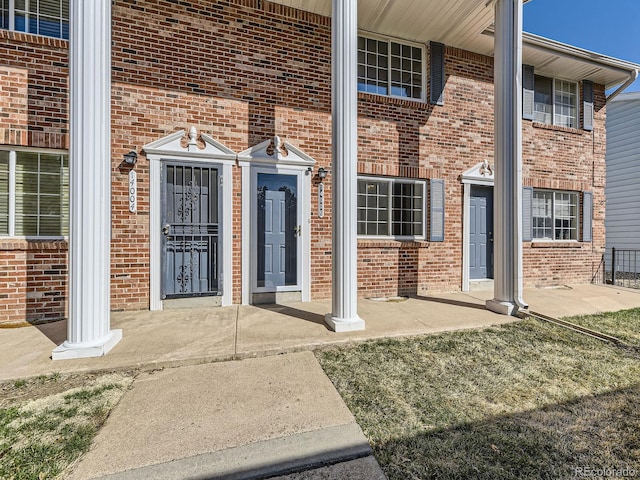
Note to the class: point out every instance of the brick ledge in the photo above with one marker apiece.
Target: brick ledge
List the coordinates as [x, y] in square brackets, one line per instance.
[556, 128]
[398, 244]
[11, 244]
[552, 244]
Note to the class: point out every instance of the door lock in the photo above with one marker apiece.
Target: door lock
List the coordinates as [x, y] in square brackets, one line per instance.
[166, 229]
[298, 230]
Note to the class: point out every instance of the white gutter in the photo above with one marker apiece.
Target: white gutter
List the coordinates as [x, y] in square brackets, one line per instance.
[633, 76]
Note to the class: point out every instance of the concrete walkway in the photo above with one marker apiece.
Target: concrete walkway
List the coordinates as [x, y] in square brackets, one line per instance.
[255, 417]
[267, 414]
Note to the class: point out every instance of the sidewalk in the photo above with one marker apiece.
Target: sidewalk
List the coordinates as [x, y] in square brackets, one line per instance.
[267, 414]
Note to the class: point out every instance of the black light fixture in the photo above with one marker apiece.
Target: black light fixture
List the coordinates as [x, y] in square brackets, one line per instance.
[131, 158]
[322, 173]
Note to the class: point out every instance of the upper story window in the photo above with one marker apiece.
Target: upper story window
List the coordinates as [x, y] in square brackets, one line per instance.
[40, 17]
[555, 215]
[391, 207]
[556, 102]
[386, 67]
[34, 194]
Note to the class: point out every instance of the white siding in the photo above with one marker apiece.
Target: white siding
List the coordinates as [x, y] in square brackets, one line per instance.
[622, 221]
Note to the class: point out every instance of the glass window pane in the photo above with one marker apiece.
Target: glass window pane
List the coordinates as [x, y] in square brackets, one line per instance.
[4, 13]
[42, 194]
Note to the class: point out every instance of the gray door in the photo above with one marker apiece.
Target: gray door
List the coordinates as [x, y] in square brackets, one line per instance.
[190, 246]
[277, 230]
[481, 233]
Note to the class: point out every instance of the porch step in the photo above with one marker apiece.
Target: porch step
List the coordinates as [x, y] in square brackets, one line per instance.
[483, 285]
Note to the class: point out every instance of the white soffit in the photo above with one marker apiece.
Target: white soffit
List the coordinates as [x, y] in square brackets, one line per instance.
[466, 24]
[452, 22]
[556, 59]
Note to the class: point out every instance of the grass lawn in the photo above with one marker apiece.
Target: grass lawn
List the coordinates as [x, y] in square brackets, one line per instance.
[624, 325]
[525, 400]
[48, 422]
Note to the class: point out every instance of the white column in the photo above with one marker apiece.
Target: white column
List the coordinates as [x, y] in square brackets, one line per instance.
[344, 290]
[89, 333]
[508, 159]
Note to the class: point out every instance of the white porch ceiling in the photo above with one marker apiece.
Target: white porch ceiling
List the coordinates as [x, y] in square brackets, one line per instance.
[452, 22]
[467, 24]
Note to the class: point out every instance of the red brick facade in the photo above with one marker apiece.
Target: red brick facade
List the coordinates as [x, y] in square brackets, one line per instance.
[246, 70]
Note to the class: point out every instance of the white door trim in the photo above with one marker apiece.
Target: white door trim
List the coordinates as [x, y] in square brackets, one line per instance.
[275, 156]
[199, 149]
[299, 173]
[481, 174]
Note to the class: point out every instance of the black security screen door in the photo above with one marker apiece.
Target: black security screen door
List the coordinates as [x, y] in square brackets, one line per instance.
[190, 230]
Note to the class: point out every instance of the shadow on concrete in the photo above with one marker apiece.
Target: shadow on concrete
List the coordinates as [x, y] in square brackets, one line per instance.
[448, 301]
[294, 312]
[54, 331]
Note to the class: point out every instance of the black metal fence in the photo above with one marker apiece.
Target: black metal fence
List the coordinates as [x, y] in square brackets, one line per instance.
[623, 269]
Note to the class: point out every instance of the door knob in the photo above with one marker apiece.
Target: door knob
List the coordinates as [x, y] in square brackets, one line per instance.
[298, 230]
[166, 229]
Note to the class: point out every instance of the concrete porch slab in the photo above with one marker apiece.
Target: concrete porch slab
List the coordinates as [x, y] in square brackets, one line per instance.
[194, 336]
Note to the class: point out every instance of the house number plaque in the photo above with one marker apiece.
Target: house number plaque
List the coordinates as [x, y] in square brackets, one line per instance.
[321, 200]
[133, 191]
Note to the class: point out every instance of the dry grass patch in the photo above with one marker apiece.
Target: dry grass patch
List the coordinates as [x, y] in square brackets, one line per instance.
[525, 400]
[48, 422]
[624, 324]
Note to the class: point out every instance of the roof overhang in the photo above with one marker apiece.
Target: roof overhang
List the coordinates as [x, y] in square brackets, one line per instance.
[556, 59]
[467, 24]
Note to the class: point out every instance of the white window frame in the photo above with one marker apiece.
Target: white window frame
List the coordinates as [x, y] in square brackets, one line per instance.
[12, 192]
[390, 181]
[554, 105]
[423, 69]
[12, 19]
[554, 194]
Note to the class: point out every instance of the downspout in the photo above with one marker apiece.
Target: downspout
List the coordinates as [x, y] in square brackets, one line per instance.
[633, 76]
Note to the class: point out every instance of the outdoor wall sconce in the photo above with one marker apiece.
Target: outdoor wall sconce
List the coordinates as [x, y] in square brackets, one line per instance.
[322, 173]
[131, 158]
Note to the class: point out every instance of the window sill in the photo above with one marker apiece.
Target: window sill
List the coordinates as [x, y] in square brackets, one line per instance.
[27, 245]
[556, 244]
[33, 39]
[556, 128]
[391, 243]
[403, 102]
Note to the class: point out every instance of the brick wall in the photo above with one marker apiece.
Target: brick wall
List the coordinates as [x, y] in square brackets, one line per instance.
[246, 70]
[33, 281]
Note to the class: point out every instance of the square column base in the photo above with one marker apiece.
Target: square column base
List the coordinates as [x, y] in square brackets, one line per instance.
[70, 351]
[344, 324]
[503, 308]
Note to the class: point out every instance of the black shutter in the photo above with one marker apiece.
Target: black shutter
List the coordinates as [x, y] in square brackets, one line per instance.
[436, 214]
[587, 216]
[437, 73]
[527, 214]
[587, 105]
[528, 92]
